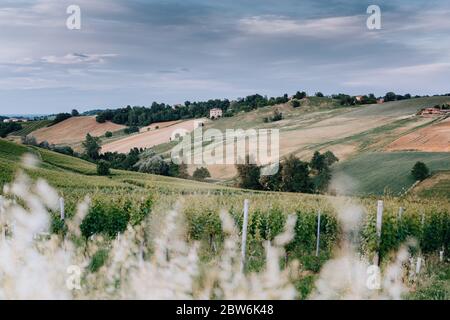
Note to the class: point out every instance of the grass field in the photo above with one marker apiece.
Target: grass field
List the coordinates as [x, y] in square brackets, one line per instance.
[377, 173]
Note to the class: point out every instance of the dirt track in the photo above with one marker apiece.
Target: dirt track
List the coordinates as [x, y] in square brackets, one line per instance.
[435, 138]
[74, 130]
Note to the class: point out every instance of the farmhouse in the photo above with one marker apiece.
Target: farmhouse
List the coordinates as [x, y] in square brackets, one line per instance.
[215, 113]
[359, 98]
[380, 101]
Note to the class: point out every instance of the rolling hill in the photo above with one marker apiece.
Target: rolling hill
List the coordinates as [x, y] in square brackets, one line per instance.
[321, 125]
[74, 130]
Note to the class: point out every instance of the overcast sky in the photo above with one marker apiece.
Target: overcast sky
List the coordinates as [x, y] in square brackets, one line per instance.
[136, 52]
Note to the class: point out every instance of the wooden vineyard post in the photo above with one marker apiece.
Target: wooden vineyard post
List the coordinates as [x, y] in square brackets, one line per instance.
[380, 208]
[318, 234]
[244, 235]
[62, 212]
[400, 213]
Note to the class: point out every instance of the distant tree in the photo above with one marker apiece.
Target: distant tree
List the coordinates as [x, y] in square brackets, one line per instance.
[322, 180]
[131, 130]
[101, 118]
[319, 94]
[75, 113]
[390, 96]
[249, 174]
[182, 171]
[300, 95]
[60, 117]
[318, 161]
[108, 134]
[103, 168]
[330, 158]
[295, 175]
[420, 171]
[92, 147]
[7, 128]
[29, 140]
[201, 174]
[150, 162]
[272, 182]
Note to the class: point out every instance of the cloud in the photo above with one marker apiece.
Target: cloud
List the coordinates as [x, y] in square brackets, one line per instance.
[77, 58]
[279, 25]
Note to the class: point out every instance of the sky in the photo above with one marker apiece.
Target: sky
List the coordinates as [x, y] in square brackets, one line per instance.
[134, 52]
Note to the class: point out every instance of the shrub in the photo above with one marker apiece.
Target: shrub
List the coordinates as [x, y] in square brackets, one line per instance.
[201, 174]
[103, 168]
[29, 141]
[295, 103]
[131, 130]
[107, 219]
[98, 260]
[108, 134]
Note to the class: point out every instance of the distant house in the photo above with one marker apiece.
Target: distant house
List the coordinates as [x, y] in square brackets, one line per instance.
[359, 98]
[215, 113]
[380, 101]
[14, 120]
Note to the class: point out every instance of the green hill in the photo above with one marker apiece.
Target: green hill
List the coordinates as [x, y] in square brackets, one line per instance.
[71, 174]
[377, 173]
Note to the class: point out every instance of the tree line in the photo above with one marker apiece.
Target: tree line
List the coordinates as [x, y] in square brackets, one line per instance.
[294, 175]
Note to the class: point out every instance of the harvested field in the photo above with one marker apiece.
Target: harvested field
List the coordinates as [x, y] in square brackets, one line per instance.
[150, 138]
[435, 138]
[74, 130]
[158, 125]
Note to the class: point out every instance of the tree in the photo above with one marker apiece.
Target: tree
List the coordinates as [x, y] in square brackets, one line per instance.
[420, 171]
[300, 95]
[7, 128]
[108, 134]
[330, 158]
[182, 171]
[319, 94]
[103, 168]
[92, 147]
[390, 96]
[60, 117]
[75, 113]
[318, 162]
[295, 175]
[249, 174]
[131, 130]
[322, 180]
[150, 162]
[201, 174]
